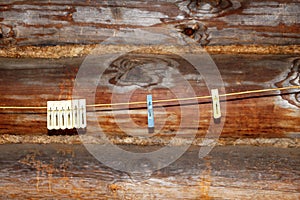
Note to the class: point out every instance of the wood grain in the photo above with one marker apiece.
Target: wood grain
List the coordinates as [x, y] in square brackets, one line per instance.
[70, 172]
[222, 22]
[33, 82]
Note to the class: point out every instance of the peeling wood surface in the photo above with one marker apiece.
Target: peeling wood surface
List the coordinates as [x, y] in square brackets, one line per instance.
[221, 22]
[33, 82]
[70, 172]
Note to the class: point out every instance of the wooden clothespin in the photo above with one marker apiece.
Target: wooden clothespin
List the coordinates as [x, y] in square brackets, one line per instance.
[216, 105]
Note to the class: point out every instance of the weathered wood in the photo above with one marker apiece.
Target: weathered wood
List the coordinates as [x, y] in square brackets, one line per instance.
[33, 82]
[220, 22]
[70, 172]
[69, 51]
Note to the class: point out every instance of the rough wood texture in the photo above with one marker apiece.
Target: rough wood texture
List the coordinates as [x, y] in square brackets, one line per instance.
[67, 51]
[70, 172]
[220, 22]
[33, 82]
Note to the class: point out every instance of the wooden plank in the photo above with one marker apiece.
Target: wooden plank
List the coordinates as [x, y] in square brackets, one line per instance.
[70, 172]
[221, 22]
[33, 82]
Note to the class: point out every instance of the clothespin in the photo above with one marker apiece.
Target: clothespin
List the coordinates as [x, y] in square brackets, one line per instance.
[62, 114]
[150, 114]
[50, 120]
[216, 104]
[75, 112]
[82, 113]
[68, 114]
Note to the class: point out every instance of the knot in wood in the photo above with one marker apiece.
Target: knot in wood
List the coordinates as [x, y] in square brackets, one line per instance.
[292, 79]
[196, 31]
[207, 8]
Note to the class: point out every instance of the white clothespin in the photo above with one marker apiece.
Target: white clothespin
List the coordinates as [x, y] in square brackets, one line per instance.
[68, 114]
[50, 120]
[216, 104]
[75, 110]
[55, 107]
[82, 113]
[62, 114]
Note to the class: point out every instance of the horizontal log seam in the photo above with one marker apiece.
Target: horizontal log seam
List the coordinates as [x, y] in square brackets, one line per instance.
[164, 100]
[65, 51]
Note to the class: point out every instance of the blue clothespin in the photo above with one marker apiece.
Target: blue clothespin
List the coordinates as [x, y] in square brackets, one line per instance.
[150, 114]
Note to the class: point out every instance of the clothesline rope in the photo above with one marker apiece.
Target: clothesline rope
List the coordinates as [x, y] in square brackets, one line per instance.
[164, 100]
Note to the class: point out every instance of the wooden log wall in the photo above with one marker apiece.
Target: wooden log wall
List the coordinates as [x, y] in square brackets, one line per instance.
[254, 44]
[218, 22]
[33, 82]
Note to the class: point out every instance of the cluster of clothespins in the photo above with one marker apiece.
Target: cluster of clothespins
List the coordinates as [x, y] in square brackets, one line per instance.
[66, 114]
